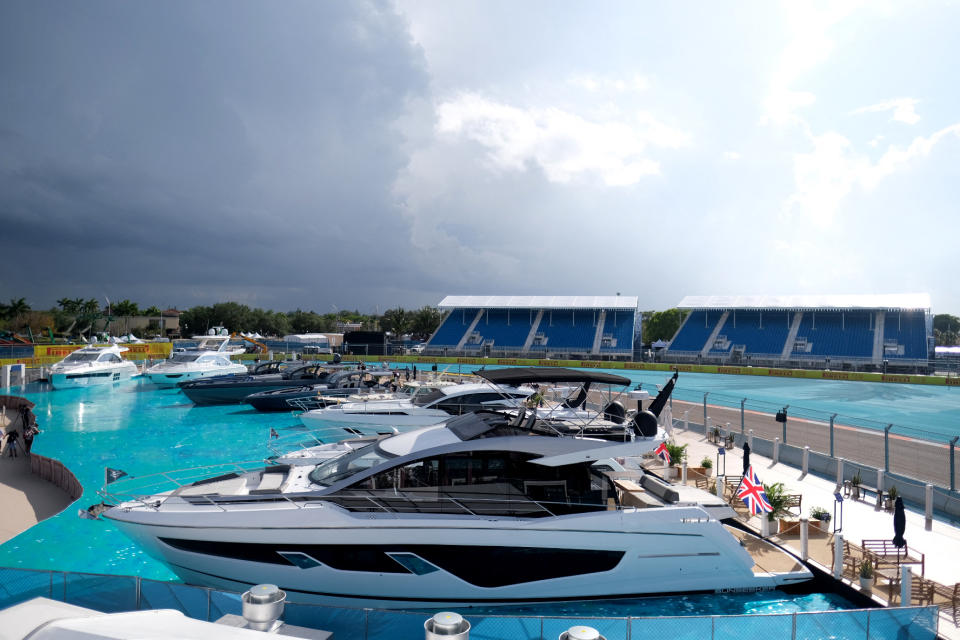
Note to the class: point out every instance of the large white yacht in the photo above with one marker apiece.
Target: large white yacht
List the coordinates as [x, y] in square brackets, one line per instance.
[433, 405]
[211, 357]
[93, 365]
[491, 508]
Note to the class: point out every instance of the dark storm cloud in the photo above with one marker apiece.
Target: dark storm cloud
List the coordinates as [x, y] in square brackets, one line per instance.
[184, 153]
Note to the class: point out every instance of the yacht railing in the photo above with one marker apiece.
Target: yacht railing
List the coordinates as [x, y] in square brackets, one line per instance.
[155, 488]
[119, 593]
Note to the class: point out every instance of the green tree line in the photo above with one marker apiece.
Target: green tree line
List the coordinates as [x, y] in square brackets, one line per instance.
[72, 316]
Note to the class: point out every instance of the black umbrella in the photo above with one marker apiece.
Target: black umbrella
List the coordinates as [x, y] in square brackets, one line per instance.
[899, 524]
[746, 457]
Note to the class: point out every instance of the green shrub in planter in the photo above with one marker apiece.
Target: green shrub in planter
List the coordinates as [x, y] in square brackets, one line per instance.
[819, 513]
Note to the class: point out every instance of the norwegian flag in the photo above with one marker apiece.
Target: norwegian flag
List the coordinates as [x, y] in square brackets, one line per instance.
[662, 452]
[751, 492]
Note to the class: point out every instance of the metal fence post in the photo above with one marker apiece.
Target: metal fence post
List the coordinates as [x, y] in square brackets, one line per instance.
[804, 538]
[838, 556]
[832, 418]
[138, 592]
[886, 448]
[743, 425]
[705, 411]
[928, 507]
[785, 426]
[953, 445]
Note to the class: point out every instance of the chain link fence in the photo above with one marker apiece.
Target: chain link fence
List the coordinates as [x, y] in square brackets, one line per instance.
[912, 452]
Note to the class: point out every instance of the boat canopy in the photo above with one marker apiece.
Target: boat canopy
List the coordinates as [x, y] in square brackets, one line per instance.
[529, 375]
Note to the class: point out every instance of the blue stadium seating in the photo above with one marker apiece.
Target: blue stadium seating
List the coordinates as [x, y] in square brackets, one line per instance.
[619, 327]
[568, 330]
[837, 334]
[561, 330]
[760, 333]
[696, 330]
[453, 328]
[908, 328]
[505, 328]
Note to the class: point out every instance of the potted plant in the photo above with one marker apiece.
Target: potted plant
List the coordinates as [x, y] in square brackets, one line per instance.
[707, 465]
[677, 455]
[866, 574]
[715, 435]
[821, 516]
[728, 443]
[891, 498]
[777, 497]
[855, 486]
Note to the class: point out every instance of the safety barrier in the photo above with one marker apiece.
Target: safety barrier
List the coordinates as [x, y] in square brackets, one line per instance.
[54, 472]
[114, 594]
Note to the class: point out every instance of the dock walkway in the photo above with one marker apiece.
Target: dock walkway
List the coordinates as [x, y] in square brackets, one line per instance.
[25, 499]
[861, 520]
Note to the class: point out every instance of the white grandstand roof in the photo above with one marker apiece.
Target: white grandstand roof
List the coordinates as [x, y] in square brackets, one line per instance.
[539, 302]
[855, 301]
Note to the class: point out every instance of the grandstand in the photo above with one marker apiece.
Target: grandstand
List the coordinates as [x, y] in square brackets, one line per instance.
[598, 327]
[865, 332]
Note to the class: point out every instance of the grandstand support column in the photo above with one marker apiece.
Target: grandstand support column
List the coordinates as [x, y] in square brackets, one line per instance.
[743, 424]
[713, 336]
[470, 329]
[792, 335]
[598, 335]
[879, 325]
[533, 332]
[886, 448]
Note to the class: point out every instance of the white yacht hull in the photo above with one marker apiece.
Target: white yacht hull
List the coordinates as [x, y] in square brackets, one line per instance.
[83, 377]
[171, 378]
[321, 419]
[457, 560]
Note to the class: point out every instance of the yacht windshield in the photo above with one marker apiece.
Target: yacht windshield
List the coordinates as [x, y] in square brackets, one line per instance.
[426, 396]
[77, 356]
[345, 466]
[184, 357]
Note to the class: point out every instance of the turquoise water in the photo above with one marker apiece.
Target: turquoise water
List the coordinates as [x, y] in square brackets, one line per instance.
[143, 429]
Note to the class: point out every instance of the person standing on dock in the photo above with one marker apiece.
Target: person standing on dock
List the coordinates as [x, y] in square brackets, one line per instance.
[12, 443]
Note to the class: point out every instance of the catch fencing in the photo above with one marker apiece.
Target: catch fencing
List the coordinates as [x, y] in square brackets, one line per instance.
[114, 594]
[914, 455]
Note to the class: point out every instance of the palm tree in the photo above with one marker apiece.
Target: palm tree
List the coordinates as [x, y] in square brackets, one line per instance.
[16, 310]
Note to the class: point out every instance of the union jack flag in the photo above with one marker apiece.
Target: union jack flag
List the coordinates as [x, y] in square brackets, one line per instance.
[751, 492]
[662, 452]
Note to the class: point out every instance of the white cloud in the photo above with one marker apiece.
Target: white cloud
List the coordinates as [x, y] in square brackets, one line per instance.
[827, 174]
[565, 145]
[903, 109]
[594, 83]
[808, 45]
[731, 156]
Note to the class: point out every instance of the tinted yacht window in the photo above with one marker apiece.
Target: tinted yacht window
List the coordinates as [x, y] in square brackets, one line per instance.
[483, 483]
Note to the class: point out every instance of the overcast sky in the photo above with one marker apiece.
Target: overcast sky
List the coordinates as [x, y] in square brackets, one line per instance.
[375, 154]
